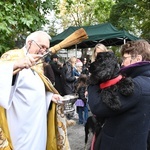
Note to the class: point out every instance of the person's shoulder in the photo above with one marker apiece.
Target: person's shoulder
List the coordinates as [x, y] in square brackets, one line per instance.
[13, 54]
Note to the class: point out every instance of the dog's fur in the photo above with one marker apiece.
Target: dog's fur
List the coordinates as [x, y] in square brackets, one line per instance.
[90, 126]
[94, 126]
[104, 68]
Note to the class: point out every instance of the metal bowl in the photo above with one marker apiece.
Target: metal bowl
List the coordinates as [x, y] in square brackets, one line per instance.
[69, 97]
[68, 101]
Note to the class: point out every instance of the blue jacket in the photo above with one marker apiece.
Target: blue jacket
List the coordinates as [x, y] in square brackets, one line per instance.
[126, 129]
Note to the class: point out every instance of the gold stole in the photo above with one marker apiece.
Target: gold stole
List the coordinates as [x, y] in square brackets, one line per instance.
[56, 122]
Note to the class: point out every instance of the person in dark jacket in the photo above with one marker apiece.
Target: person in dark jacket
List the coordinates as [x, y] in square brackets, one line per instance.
[139, 58]
[48, 71]
[68, 76]
[81, 103]
[57, 66]
[127, 118]
[85, 66]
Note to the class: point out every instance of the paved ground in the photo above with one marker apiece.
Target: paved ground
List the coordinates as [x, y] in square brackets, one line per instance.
[76, 136]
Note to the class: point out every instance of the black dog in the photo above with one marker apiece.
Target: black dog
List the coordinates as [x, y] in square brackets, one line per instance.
[93, 125]
[104, 69]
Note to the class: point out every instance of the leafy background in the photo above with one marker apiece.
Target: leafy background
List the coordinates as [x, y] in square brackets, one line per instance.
[19, 18]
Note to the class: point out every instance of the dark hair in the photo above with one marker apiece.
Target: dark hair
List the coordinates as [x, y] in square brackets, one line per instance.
[104, 67]
[82, 81]
[54, 56]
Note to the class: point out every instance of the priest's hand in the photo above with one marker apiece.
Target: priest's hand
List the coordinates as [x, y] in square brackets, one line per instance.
[27, 62]
[56, 98]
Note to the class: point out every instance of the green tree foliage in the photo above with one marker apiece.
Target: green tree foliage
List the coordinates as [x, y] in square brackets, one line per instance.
[20, 17]
[132, 15]
[83, 12]
[102, 9]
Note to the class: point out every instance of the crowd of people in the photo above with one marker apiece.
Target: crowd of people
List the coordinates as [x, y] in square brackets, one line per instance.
[69, 74]
[117, 94]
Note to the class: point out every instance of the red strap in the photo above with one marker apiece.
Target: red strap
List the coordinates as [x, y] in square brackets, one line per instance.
[93, 141]
[110, 82]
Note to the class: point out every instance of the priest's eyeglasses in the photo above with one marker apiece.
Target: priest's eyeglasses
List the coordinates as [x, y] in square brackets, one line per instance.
[41, 47]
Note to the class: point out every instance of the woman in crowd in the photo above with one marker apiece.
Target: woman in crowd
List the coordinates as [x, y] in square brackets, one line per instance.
[98, 48]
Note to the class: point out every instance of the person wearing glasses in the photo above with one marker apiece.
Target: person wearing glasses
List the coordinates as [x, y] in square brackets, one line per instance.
[125, 105]
[25, 96]
[135, 63]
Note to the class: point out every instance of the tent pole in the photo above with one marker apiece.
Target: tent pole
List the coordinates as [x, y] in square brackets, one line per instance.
[76, 49]
[124, 41]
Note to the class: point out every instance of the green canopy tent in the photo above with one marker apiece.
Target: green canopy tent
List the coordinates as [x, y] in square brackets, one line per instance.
[105, 33]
